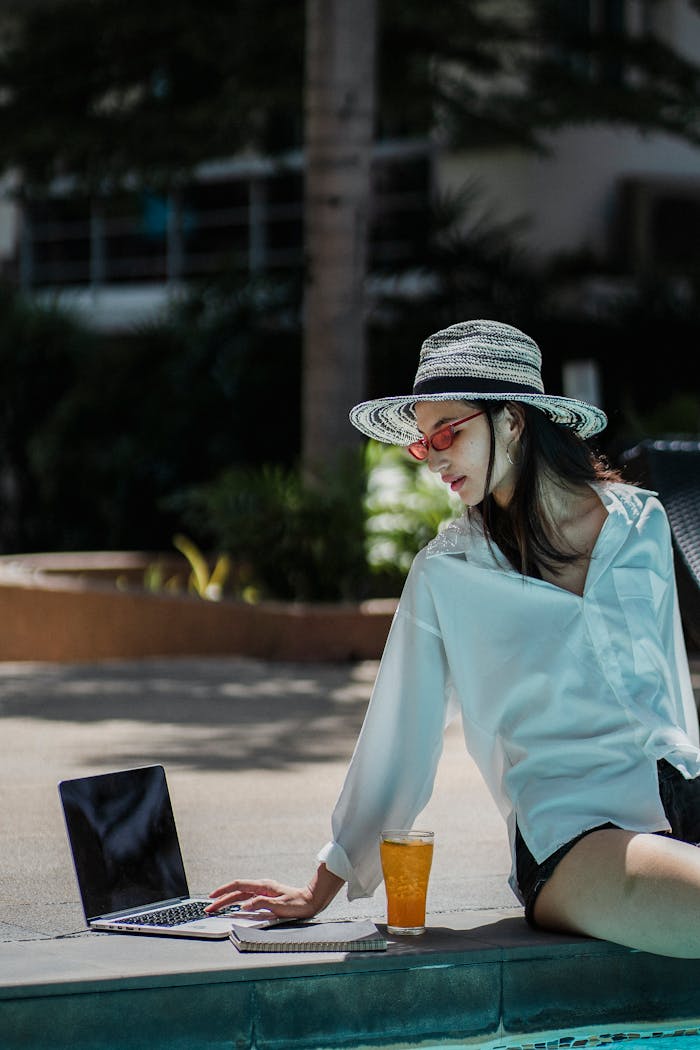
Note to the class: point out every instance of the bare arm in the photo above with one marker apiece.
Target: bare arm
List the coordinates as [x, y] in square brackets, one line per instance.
[288, 902]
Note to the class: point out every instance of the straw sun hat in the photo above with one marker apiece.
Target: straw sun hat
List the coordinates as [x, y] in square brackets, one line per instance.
[474, 361]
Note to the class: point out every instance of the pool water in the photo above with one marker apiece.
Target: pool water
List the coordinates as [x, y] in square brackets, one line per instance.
[685, 1035]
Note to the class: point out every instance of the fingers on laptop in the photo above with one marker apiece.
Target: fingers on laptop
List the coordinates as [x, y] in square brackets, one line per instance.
[260, 894]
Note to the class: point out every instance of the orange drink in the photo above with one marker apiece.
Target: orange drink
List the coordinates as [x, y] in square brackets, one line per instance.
[406, 860]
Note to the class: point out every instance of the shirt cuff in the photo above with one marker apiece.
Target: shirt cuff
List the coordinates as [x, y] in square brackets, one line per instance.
[336, 860]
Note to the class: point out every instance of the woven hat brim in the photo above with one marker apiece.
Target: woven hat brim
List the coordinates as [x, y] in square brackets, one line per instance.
[392, 419]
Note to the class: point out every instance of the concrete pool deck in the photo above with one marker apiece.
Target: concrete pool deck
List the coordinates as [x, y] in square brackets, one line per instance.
[255, 754]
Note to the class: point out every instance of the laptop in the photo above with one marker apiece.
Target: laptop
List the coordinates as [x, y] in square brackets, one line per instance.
[128, 861]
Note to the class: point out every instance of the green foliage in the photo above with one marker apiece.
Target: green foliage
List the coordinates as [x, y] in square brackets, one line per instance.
[585, 75]
[167, 408]
[150, 90]
[349, 537]
[96, 432]
[448, 66]
[288, 539]
[405, 507]
[146, 90]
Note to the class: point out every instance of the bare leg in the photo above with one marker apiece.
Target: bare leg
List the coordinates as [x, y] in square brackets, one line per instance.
[642, 891]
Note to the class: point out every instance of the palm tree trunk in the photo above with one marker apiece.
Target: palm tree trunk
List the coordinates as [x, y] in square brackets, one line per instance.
[339, 115]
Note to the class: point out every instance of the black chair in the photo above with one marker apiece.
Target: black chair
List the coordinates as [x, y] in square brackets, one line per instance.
[672, 469]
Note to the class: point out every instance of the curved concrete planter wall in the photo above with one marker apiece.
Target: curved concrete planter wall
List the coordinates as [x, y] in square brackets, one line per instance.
[60, 608]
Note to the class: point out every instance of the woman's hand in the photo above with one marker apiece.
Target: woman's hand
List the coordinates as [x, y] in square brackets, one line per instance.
[285, 902]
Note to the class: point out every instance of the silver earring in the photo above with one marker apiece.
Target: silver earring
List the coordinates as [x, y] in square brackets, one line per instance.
[508, 456]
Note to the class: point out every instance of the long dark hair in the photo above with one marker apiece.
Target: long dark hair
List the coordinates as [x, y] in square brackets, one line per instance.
[545, 449]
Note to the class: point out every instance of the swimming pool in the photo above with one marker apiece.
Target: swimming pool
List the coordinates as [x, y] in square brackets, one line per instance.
[685, 1035]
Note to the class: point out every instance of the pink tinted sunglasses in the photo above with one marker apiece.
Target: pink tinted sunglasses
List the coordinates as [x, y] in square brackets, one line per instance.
[441, 439]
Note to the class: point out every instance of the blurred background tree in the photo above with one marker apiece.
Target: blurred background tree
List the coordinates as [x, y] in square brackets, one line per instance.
[339, 104]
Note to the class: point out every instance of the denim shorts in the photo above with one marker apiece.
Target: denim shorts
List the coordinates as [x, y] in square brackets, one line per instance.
[681, 801]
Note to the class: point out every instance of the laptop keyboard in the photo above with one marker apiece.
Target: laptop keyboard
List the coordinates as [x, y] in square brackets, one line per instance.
[175, 915]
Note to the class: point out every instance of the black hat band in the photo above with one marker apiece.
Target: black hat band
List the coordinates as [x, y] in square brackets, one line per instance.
[460, 384]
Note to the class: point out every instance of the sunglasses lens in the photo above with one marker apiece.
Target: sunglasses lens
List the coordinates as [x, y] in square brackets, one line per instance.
[418, 450]
[442, 440]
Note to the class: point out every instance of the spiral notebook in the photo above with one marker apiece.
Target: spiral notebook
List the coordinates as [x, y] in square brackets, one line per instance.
[358, 935]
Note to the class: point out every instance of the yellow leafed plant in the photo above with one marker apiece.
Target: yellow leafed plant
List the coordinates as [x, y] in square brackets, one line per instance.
[207, 583]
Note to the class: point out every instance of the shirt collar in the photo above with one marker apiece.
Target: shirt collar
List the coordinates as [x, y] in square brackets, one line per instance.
[465, 535]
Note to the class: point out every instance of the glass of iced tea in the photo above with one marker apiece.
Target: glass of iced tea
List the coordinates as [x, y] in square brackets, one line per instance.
[406, 859]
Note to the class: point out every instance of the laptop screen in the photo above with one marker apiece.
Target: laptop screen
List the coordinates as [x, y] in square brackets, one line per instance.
[124, 841]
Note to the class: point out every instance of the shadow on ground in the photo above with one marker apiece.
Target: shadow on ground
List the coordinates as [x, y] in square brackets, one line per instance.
[237, 714]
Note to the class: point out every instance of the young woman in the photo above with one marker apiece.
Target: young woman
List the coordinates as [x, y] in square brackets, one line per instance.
[548, 614]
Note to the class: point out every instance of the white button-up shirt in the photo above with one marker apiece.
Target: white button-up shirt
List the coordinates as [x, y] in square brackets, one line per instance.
[567, 702]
